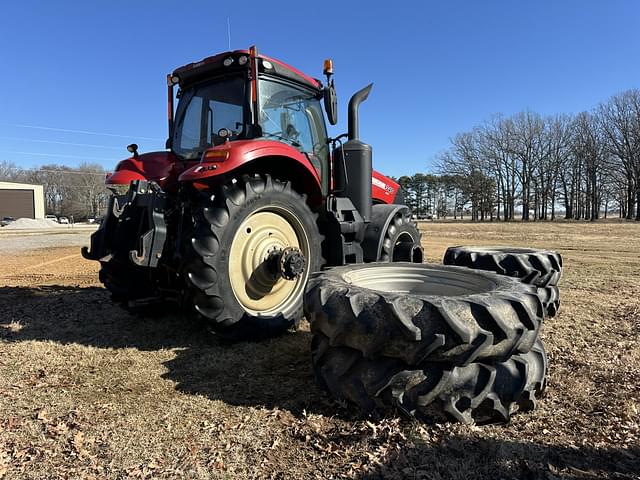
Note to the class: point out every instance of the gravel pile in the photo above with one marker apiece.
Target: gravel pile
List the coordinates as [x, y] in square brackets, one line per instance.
[31, 223]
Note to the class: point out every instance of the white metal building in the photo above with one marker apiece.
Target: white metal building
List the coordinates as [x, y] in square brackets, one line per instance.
[21, 200]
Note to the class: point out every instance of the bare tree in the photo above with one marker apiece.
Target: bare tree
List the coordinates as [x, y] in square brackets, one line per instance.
[586, 163]
[496, 145]
[589, 150]
[10, 172]
[527, 148]
[57, 185]
[91, 189]
[559, 138]
[620, 122]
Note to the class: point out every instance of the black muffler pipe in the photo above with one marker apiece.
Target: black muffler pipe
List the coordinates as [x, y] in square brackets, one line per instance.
[354, 104]
[352, 161]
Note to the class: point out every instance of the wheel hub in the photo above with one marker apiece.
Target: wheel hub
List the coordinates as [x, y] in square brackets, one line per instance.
[290, 263]
[268, 257]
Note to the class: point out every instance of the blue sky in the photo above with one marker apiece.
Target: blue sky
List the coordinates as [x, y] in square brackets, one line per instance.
[438, 67]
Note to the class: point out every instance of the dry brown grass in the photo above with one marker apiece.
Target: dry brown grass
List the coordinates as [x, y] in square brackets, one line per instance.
[87, 390]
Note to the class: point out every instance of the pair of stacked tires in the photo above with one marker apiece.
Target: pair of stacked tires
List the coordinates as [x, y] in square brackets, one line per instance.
[431, 340]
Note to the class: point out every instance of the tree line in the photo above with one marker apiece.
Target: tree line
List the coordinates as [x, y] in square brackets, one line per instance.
[68, 191]
[536, 167]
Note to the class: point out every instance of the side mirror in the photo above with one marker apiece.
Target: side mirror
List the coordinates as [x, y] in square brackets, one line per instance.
[133, 148]
[331, 103]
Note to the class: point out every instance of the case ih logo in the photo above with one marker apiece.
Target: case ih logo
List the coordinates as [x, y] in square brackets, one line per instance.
[380, 184]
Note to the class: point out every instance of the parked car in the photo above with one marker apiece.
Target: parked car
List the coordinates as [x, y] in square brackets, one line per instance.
[51, 217]
[6, 221]
[64, 220]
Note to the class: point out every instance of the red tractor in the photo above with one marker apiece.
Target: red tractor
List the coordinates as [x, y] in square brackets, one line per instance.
[250, 197]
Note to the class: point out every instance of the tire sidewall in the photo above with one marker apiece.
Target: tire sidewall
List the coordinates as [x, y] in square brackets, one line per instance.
[393, 234]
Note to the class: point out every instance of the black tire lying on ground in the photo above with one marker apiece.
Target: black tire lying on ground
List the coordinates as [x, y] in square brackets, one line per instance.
[541, 268]
[476, 393]
[419, 312]
[550, 298]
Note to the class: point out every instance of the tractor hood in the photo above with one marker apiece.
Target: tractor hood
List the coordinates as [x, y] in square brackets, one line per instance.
[155, 166]
[384, 189]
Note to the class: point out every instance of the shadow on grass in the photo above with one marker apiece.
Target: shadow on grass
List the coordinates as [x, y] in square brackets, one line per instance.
[271, 373]
[86, 316]
[456, 457]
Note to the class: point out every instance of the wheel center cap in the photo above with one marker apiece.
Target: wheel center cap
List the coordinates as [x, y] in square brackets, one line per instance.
[288, 263]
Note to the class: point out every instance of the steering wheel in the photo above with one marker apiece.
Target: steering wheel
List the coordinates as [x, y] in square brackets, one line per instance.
[292, 133]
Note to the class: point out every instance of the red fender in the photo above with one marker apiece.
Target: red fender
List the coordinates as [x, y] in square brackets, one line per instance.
[232, 155]
[257, 156]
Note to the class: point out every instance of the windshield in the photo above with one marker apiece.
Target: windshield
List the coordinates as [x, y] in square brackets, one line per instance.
[294, 116]
[203, 111]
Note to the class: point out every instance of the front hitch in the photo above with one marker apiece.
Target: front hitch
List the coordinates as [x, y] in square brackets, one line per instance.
[133, 227]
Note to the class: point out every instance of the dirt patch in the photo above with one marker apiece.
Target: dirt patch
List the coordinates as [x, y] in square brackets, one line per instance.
[87, 389]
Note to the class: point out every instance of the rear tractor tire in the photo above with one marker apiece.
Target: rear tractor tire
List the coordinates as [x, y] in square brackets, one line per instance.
[400, 241]
[126, 282]
[254, 243]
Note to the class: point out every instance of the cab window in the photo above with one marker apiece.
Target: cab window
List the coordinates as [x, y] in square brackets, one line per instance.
[294, 116]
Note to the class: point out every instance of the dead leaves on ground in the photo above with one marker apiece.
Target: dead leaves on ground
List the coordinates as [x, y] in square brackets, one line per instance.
[59, 436]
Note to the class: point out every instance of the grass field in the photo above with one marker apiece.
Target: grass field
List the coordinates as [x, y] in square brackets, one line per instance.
[87, 390]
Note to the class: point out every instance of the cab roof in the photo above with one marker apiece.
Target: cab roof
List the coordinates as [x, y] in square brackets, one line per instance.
[195, 71]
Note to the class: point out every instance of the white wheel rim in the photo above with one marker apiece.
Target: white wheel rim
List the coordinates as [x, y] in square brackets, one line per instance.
[258, 292]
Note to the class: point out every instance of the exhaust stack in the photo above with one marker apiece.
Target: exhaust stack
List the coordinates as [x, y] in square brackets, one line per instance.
[353, 161]
[354, 105]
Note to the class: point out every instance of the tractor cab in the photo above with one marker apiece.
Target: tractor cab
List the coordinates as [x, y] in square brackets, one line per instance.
[241, 96]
